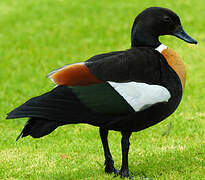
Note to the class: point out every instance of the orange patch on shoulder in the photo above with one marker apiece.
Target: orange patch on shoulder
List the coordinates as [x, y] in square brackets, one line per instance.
[74, 75]
[175, 61]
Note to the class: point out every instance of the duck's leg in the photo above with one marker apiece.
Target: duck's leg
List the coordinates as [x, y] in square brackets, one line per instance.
[124, 171]
[109, 163]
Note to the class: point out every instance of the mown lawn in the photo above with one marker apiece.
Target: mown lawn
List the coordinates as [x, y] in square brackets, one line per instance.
[37, 36]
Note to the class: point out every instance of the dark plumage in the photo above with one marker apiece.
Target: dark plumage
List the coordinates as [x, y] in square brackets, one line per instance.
[126, 91]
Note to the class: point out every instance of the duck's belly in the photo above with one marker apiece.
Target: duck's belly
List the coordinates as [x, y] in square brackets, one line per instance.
[143, 119]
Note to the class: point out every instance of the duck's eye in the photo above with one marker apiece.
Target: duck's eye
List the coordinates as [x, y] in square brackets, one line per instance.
[167, 19]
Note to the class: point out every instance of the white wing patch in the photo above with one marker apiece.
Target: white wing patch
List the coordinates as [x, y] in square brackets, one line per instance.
[141, 95]
[160, 48]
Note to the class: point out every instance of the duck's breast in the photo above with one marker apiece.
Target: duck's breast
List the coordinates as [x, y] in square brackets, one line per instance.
[176, 63]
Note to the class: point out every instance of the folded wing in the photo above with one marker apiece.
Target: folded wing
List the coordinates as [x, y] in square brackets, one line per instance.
[110, 84]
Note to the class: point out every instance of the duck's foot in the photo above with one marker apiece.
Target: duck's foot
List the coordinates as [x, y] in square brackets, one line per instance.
[109, 166]
[123, 174]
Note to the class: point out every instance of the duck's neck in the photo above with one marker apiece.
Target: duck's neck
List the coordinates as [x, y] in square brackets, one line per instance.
[140, 37]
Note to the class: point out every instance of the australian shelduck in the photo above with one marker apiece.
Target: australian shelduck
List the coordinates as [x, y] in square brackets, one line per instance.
[124, 91]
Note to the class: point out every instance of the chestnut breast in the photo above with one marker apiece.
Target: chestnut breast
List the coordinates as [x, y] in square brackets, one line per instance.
[176, 63]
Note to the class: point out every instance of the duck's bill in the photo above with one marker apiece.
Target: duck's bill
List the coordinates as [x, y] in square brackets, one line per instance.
[180, 33]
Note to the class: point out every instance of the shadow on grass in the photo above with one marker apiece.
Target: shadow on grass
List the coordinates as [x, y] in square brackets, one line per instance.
[151, 166]
[182, 162]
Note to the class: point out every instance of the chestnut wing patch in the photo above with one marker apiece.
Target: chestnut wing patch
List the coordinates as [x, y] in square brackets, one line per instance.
[73, 75]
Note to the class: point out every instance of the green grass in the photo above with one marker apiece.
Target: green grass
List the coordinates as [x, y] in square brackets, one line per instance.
[37, 36]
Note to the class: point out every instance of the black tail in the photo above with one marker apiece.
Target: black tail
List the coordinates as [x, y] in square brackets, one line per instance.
[60, 104]
[38, 127]
[50, 110]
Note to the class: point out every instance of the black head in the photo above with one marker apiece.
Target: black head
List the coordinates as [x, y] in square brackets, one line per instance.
[154, 22]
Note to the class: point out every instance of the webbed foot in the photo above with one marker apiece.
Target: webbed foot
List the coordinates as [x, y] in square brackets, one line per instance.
[123, 174]
[109, 166]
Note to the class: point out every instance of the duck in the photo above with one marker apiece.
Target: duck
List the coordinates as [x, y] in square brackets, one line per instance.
[126, 91]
